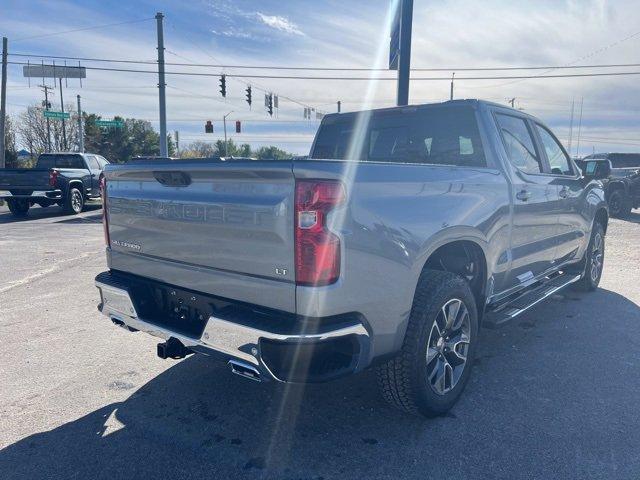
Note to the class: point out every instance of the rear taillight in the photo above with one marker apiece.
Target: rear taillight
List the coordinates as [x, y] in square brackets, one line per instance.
[317, 247]
[105, 216]
[53, 178]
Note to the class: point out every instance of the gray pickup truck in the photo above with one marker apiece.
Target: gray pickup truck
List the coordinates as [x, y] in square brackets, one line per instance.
[404, 231]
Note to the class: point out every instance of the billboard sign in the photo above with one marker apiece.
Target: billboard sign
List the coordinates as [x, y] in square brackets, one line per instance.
[53, 71]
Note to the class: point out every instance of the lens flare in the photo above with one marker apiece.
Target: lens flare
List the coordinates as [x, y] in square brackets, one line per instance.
[290, 396]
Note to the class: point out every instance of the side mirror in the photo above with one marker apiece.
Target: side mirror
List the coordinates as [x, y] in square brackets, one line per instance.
[597, 169]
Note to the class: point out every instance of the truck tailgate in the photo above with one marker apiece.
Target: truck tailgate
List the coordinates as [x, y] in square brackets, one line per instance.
[24, 178]
[224, 228]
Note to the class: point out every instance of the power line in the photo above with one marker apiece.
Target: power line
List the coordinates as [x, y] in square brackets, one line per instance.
[81, 29]
[617, 142]
[304, 77]
[584, 57]
[234, 77]
[333, 69]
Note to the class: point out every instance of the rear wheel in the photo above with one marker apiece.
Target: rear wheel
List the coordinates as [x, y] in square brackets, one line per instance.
[619, 204]
[433, 367]
[18, 206]
[594, 261]
[74, 202]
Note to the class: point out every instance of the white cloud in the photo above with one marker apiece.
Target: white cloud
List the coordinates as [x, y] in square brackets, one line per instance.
[279, 23]
[236, 33]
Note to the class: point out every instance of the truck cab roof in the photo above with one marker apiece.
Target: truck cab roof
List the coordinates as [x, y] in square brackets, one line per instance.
[473, 102]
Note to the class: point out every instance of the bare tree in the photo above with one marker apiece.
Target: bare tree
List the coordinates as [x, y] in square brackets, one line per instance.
[198, 149]
[32, 129]
[11, 152]
[9, 134]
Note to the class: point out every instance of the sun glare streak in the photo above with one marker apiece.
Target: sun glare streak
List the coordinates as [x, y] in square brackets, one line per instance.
[291, 395]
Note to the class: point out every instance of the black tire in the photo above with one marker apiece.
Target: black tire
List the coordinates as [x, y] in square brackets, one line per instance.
[74, 203]
[18, 207]
[619, 204]
[593, 260]
[405, 380]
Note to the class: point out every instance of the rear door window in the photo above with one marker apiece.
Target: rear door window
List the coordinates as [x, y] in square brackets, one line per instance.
[558, 160]
[92, 161]
[518, 142]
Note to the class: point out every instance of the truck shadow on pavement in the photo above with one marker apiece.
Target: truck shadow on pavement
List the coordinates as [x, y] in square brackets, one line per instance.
[37, 213]
[633, 217]
[539, 405]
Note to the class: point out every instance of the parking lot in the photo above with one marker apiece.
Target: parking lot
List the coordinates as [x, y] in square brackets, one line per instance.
[553, 394]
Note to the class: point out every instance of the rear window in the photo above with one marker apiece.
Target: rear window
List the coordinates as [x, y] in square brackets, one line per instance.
[60, 161]
[628, 160]
[434, 135]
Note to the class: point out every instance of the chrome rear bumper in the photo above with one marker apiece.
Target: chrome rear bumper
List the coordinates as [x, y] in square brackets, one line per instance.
[50, 194]
[233, 340]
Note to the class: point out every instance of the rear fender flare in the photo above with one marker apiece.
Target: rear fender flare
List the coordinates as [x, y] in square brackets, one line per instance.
[77, 184]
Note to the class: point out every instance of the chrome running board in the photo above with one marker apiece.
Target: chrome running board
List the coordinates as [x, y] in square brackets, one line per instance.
[504, 312]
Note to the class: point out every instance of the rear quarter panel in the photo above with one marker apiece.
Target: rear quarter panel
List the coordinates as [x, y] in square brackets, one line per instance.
[396, 216]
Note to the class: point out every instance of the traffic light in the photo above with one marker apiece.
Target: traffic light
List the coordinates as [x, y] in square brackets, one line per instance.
[223, 85]
[208, 127]
[238, 126]
[249, 95]
[269, 102]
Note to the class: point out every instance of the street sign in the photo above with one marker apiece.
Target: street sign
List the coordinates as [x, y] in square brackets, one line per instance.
[54, 71]
[110, 123]
[58, 115]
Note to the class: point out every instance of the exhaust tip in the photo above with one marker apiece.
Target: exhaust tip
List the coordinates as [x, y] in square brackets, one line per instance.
[245, 370]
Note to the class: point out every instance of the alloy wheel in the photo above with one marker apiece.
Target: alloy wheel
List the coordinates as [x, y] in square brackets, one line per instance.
[597, 255]
[448, 346]
[76, 201]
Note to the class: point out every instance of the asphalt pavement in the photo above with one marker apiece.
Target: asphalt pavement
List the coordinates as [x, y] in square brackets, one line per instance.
[554, 394]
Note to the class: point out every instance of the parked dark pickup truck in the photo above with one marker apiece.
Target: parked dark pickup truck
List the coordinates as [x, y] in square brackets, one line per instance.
[65, 179]
[621, 172]
[405, 231]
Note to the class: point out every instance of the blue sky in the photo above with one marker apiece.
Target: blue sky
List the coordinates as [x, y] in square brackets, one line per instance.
[447, 34]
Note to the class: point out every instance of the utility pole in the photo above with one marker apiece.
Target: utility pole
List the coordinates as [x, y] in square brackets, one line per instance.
[177, 143]
[404, 60]
[224, 122]
[452, 76]
[64, 124]
[46, 89]
[80, 130]
[161, 87]
[579, 128]
[339, 106]
[571, 127]
[3, 100]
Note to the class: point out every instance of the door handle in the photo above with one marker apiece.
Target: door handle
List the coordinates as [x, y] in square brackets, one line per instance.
[523, 195]
[564, 192]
